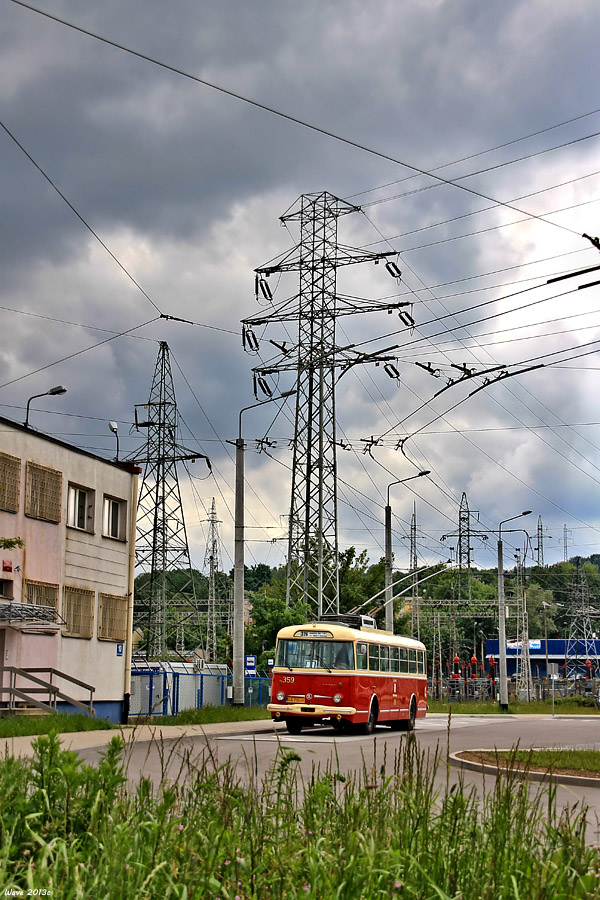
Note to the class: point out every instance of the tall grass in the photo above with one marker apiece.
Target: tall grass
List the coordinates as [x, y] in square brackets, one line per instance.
[217, 831]
[19, 726]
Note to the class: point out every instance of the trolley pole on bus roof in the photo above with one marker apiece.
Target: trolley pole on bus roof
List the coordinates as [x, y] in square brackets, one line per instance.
[389, 606]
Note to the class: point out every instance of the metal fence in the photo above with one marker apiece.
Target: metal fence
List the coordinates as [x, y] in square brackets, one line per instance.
[155, 692]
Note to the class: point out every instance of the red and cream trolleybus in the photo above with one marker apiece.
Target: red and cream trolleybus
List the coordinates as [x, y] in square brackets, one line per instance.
[345, 671]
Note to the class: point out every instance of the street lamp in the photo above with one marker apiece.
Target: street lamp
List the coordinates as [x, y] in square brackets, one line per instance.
[389, 606]
[115, 430]
[53, 392]
[238, 559]
[503, 696]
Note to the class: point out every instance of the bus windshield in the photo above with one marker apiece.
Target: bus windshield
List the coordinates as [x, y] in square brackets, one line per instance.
[305, 654]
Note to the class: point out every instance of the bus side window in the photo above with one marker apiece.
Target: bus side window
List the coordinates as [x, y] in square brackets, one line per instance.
[412, 662]
[403, 660]
[384, 657]
[374, 657]
[394, 661]
[361, 656]
[420, 662]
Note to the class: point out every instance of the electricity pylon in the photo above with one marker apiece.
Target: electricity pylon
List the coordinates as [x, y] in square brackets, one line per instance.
[581, 644]
[213, 563]
[165, 601]
[317, 360]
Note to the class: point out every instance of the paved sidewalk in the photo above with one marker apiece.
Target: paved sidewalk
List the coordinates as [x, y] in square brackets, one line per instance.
[84, 740]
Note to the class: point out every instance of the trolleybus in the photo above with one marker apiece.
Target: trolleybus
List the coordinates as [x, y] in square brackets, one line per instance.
[345, 671]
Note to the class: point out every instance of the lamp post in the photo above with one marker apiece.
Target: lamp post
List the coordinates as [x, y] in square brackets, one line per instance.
[53, 392]
[389, 606]
[545, 607]
[503, 694]
[238, 559]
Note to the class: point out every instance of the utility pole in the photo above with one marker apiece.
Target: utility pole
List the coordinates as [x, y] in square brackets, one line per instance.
[414, 603]
[165, 601]
[317, 363]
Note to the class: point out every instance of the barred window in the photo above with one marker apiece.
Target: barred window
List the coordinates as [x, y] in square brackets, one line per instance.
[78, 612]
[40, 593]
[112, 617]
[44, 487]
[10, 482]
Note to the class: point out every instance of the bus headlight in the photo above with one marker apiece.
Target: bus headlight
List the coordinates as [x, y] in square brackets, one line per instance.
[337, 698]
[280, 695]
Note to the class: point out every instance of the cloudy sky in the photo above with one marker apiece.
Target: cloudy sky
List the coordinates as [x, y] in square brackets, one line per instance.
[183, 186]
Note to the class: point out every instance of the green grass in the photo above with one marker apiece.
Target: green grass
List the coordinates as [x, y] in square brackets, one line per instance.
[210, 714]
[219, 832]
[562, 706]
[19, 726]
[584, 761]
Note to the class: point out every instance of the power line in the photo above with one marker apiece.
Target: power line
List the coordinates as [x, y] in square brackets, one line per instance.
[80, 352]
[482, 152]
[283, 115]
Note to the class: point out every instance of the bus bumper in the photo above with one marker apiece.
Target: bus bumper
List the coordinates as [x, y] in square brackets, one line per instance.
[281, 710]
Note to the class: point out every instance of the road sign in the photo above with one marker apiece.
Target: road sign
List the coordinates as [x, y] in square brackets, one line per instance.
[251, 666]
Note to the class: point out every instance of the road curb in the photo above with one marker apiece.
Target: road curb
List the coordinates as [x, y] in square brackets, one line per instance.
[530, 775]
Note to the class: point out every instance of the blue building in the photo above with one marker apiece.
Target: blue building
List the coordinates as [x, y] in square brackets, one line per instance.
[557, 651]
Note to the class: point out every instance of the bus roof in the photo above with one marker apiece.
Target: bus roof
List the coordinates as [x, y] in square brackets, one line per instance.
[339, 632]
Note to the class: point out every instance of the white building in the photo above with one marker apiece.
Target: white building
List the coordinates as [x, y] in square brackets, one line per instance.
[66, 596]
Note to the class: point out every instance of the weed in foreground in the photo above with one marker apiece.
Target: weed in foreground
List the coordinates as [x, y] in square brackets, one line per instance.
[384, 831]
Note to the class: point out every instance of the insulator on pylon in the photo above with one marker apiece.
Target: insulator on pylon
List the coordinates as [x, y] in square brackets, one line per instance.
[265, 289]
[255, 386]
[391, 370]
[406, 318]
[256, 287]
[264, 386]
[393, 269]
[249, 339]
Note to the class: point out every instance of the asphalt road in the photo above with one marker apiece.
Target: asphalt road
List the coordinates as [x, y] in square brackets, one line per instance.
[254, 747]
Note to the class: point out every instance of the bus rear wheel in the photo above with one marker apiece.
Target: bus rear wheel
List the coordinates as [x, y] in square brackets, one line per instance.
[294, 726]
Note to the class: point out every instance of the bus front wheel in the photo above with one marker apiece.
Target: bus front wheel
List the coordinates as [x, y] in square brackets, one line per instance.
[294, 726]
[369, 725]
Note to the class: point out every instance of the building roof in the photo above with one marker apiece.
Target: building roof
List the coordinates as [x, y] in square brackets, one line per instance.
[27, 429]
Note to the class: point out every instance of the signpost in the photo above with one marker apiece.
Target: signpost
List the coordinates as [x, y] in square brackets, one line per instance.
[553, 672]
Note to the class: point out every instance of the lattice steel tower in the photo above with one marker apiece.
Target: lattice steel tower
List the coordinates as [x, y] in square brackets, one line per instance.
[165, 601]
[315, 357]
[581, 645]
[213, 563]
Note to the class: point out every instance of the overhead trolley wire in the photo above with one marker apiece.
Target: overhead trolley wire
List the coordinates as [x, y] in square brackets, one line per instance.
[283, 115]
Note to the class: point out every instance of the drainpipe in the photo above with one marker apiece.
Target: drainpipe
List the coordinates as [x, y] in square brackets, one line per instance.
[130, 585]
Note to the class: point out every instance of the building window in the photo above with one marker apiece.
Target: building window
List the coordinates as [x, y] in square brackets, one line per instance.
[112, 617]
[43, 494]
[10, 482]
[114, 518]
[78, 612]
[39, 593]
[80, 508]
[6, 589]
